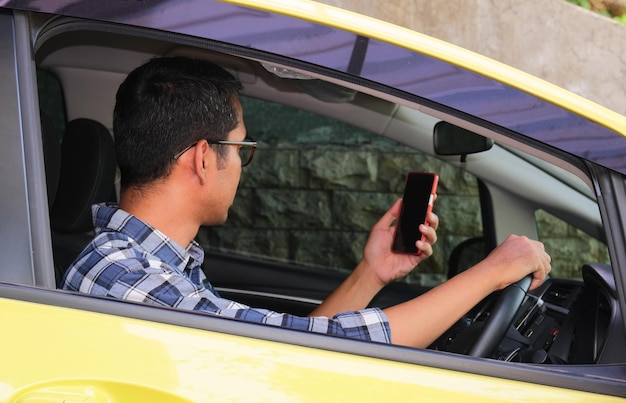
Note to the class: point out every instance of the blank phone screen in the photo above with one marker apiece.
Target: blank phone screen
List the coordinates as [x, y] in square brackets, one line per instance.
[417, 194]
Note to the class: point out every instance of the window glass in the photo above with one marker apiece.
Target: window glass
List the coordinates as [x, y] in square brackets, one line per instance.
[51, 103]
[52, 114]
[316, 186]
[569, 247]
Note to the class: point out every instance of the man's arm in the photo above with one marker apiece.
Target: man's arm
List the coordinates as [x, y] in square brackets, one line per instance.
[420, 321]
[379, 265]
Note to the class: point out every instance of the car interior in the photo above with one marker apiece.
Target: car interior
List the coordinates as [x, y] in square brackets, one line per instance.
[309, 127]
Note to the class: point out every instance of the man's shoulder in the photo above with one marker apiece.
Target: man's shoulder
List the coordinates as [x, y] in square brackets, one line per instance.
[109, 251]
[109, 239]
[111, 257]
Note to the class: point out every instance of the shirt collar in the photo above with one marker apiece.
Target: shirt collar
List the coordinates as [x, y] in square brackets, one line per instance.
[109, 217]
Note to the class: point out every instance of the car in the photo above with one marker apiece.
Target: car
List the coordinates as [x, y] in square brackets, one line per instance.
[342, 107]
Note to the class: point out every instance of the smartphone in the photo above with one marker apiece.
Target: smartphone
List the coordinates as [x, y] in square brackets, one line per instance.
[417, 202]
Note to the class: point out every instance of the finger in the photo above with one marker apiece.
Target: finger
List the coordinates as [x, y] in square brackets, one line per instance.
[545, 258]
[547, 265]
[433, 220]
[543, 269]
[429, 233]
[425, 248]
[390, 216]
[538, 277]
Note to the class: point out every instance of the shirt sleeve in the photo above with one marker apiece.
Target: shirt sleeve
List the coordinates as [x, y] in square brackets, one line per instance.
[157, 287]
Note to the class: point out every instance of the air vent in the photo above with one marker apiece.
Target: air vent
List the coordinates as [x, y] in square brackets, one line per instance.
[562, 295]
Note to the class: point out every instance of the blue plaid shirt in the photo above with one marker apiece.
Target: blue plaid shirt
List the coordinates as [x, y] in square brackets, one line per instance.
[128, 259]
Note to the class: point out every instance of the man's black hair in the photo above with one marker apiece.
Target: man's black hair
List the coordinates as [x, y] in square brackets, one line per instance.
[166, 105]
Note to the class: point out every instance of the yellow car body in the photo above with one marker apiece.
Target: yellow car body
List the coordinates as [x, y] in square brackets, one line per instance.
[143, 361]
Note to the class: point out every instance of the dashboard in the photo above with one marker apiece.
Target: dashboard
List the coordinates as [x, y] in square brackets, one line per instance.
[561, 322]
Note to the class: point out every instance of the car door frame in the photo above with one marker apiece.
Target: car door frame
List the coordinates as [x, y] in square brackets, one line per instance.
[25, 236]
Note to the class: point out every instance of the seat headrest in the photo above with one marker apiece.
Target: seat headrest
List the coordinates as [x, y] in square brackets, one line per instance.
[87, 175]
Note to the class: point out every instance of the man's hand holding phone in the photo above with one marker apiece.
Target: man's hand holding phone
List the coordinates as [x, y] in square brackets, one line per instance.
[379, 265]
[417, 203]
[378, 254]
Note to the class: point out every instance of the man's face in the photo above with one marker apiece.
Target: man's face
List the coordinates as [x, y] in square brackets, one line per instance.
[228, 172]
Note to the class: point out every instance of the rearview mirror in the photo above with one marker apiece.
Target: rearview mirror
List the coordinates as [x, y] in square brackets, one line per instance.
[453, 140]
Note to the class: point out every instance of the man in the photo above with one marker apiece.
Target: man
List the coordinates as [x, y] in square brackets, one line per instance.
[180, 137]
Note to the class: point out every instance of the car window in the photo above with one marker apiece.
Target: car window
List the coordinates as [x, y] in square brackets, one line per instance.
[569, 246]
[51, 99]
[316, 186]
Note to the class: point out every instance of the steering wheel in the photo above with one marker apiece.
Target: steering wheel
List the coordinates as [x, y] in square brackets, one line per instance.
[501, 317]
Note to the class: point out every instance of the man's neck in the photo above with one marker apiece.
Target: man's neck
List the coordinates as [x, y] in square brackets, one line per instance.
[167, 214]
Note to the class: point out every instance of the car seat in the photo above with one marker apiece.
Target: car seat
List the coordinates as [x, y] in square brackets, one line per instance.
[87, 176]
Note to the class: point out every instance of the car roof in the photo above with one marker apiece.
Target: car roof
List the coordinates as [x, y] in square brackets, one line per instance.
[407, 64]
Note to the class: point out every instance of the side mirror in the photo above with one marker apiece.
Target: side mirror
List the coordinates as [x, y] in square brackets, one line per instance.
[453, 140]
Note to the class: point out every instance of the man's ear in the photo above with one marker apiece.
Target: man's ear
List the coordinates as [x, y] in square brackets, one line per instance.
[204, 160]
